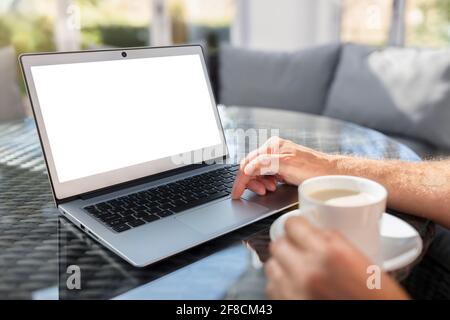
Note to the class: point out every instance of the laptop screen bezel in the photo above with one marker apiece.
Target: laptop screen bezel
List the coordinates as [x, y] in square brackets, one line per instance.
[85, 185]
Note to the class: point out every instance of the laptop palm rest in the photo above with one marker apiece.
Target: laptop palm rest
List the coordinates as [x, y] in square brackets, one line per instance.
[221, 216]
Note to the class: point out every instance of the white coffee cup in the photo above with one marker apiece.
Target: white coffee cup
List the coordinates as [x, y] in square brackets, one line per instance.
[359, 222]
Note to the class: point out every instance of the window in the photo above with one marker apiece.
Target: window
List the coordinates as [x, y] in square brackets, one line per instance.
[203, 21]
[114, 23]
[27, 25]
[428, 23]
[43, 25]
[366, 21]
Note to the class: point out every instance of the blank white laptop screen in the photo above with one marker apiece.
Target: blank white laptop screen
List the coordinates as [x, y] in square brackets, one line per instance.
[103, 116]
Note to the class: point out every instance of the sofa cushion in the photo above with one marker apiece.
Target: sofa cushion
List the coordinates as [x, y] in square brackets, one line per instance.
[402, 91]
[11, 107]
[294, 81]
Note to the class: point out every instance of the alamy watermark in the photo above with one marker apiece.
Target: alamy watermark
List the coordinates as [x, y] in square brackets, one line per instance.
[373, 281]
[73, 281]
[242, 141]
[73, 19]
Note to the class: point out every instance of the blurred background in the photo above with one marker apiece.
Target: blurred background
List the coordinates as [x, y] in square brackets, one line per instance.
[264, 25]
[380, 64]
[48, 25]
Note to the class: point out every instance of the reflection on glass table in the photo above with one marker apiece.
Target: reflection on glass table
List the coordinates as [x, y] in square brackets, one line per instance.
[37, 246]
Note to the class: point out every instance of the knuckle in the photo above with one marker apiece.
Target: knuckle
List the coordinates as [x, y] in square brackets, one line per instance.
[262, 159]
[336, 235]
[275, 143]
[333, 252]
[290, 225]
[314, 279]
[331, 235]
[293, 223]
[270, 268]
[278, 246]
[273, 247]
[270, 290]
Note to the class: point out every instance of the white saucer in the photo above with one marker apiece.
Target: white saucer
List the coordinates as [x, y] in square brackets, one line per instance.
[401, 244]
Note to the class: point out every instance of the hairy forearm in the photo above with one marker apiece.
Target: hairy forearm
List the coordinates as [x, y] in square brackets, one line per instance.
[418, 188]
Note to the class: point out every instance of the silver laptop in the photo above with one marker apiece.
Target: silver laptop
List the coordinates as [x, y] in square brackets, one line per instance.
[121, 132]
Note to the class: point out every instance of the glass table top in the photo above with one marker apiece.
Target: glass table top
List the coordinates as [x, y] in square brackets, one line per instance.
[37, 246]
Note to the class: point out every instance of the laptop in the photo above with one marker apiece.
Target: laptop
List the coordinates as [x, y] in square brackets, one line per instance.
[118, 129]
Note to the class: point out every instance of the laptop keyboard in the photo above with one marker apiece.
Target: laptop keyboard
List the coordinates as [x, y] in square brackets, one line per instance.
[146, 206]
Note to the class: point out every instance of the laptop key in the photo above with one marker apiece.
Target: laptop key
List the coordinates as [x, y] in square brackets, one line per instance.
[128, 212]
[110, 217]
[165, 213]
[221, 188]
[202, 195]
[166, 206]
[121, 228]
[151, 204]
[93, 210]
[150, 218]
[154, 211]
[104, 206]
[164, 201]
[136, 223]
[116, 222]
[179, 203]
[129, 219]
[189, 198]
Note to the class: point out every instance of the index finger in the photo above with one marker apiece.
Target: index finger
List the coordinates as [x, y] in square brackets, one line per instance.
[289, 257]
[240, 184]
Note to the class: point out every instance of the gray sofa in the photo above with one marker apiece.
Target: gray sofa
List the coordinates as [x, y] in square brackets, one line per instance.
[402, 92]
[405, 93]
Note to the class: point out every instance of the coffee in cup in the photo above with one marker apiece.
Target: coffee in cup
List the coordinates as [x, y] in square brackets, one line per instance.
[350, 205]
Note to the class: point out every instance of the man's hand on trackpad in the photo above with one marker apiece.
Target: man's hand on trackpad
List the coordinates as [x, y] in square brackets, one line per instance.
[258, 184]
[279, 160]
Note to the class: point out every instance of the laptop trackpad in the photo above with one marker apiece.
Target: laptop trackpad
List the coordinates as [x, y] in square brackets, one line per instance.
[222, 215]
